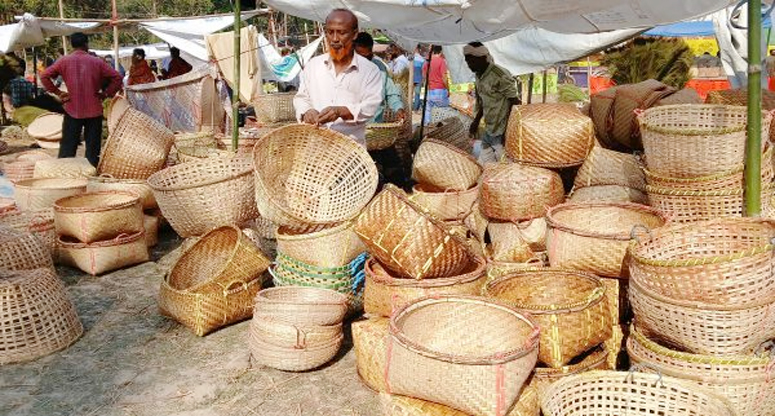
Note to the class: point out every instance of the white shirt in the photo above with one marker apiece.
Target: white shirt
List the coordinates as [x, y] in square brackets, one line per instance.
[359, 88]
[401, 63]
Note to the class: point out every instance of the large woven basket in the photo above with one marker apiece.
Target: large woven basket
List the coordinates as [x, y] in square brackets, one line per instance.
[593, 237]
[103, 256]
[330, 247]
[40, 194]
[549, 135]
[475, 354]
[116, 108]
[383, 135]
[23, 251]
[408, 240]
[310, 175]
[507, 243]
[40, 224]
[691, 140]
[196, 154]
[199, 196]
[723, 261]
[393, 405]
[514, 192]
[36, 315]
[497, 269]
[34, 156]
[386, 293]
[609, 167]
[702, 328]
[198, 139]
[745, 380]
[445, 204]
[631, 394]
[444, 166]
[7, 205]
[592, 360]
[608, 193]
[301, 305]
[74, 167]
[370, 340]
[97, 216]
[450, 130]
[292, 359]
[151, 227]
[685, 206]
[135, 186]
[274, 108]
[570, 307]
[283, 334]
[19, 170]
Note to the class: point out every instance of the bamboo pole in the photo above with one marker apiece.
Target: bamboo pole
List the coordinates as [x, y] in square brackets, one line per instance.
[427, 82]
[235, 89]
[123, 21]
[115, 35]
[62, 15]
[753, 162]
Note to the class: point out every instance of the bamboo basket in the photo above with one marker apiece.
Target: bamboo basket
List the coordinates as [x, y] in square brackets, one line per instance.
[392, 405]
[19, 170]
[36, 314]
[151, 227]
[104, 256]
[316, 176]
[386, 293]
[40, 224]
[593, 237]
[691, 140]
[40, 194]
[497, 269]
[203, 307]
[608, 193]
[286, 335]
[450, 130]
[549, 135]
[507, 243]
[609, 167]
[301, 305]
[463, 346]
[292, 359]
[137, 148]
[195, 139]
[746, 381]
[514, 192]
[3, 147]
[98, 216]
[543, 377]
[408, 240]
[570, 308]
[383, 135]
[116, 108]
[274, 108]
[445, 204]
[75, 167]
[7, 205]
[327, 248]
[197, 154]
[702, 328]
[23, 251]
[199, 196]
[370, 340]
[476, 222]
[135, 186]
[684, 206]
[631, 394]
[33, 156]
[724, 261]
[444, 166]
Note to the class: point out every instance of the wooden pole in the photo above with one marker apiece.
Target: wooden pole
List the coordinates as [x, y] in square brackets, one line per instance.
[62, 15]
[115, 35]
[306, 33]
[425, 95]
[235, 89]
[753, 162]
[530, 88]
[545, 88]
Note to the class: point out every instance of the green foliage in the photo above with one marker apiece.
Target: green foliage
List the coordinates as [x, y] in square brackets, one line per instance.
[665, 60]
[569, 93]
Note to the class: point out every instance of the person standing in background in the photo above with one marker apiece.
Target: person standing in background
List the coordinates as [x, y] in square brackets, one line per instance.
[418, 62]
[364, 46]
[770, 64]
[398, 61]
[438, 87]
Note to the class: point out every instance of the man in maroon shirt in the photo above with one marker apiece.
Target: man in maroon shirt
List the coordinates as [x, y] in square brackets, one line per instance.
[89, 80]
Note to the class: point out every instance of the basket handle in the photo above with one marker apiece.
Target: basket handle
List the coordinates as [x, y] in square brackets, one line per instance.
[229, 286]
[301, 339]
[634, 235]
[106, 175]
[35, 221]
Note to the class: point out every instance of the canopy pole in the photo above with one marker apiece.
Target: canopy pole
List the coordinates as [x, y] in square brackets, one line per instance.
[235, 89]
[427, 82]
[62, 15]
[115, 35]
[753, 162]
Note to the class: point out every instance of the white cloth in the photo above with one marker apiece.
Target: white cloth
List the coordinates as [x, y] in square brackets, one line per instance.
[400, 64]
[359, 88]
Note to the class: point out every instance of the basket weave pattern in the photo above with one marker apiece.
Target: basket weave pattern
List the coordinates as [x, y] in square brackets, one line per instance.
[608, 193]
[40, 194]
[450, 130]
[513, 192]
[40, 224]
[135, 186]
[544, 377]
[444, 166]
[608, 167]
[274, 108]
[23, 251]
[383, 135]
[445, 204]
[97, 216]
[104, 256]
[76, 167]
[331, 247]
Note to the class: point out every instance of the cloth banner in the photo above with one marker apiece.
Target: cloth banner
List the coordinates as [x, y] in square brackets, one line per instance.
[283, 68]
[220, 47]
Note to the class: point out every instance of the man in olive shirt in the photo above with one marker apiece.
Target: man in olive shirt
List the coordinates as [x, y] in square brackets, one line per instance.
[496, 93]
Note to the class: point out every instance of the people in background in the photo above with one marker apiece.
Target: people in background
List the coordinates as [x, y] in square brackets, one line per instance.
[391, 96]
[177, 66]
[496, 93]
[770, 64]
[398, 61]
[140, 72]
[341, 89]
[418, 62]
[109, 60]
[84, 75]
[438, 86]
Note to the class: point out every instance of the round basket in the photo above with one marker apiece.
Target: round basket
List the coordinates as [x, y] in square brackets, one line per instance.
[40, 224]
[593, 360]
[370, 340]
[138, 187]
[608, 193]
[199, 139]
[549, 135]
[393, 405]
[702, 328]
[151, 227]
[514, 192]
[609, 167]
[685, 206]
[724, 261]
[291, 358]
[746, 381]
[33, 156]
[19, 170]
[301, 305]
[36, 315]
[97, 216]
[309, 175]
[199, 196]
[7, 205]
[48, 144]
[386, 293]
[507, 243]
[450, 130]
[274, 108]
[331, 247]
[46, 126]
[287, 335]
[444, 166]
[116, 108]
[408, 240]
[692, 140]
[593, 237]
[497, 269]
[472, 343]
[74, 167]
[196, 153]
[570, 308]
[137, 148]
[23, 251]
[631, 394]
[382, 135]
[41, 194]
[103, 256]
[445, 204]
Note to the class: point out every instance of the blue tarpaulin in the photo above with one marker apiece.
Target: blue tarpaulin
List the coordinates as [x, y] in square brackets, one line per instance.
[696, 28]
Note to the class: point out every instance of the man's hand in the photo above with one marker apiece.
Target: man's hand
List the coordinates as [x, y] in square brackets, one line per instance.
[330, 114]
[64, 96]
[310, 117]
[401, 114]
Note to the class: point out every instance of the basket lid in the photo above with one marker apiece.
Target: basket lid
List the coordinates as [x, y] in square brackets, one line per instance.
[48, 144]
[46, 126]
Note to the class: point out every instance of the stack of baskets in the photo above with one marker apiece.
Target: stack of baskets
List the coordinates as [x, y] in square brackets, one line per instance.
[607, 175]
[23, 165]
[151, 216]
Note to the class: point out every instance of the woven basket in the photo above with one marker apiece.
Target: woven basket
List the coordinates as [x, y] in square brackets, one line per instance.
[40, 224]
[386, 293]
[23, 251]
[746, 381]
[3, 147]
[301, 305]
[196, 154]
[392, 405]
[137, 148]
[691, 140]
[309, 175]
[46, 126]
[135, 186]
[593, 237]
[199, 196]
[97, 216]
[608, 193]
[724, 261]
[631, 394]
[370, 340]
[36, 315]
[702, 328]
[274, 108]
[76, 167]
[103, 256]
[198, 139]
[34, 156]
[514, 192]
[331, 247]
[497, 269]
[40, 194]
[570, 308]
[444, 166]
[7, 205]
[608, 167]
[292, 359]
[407, 240]
[549, 135]
[203, 307]
[507, 243]
[590, 361]
[450, 130]
[446, 205]
[476, 222]
[282, 334]
[481, 352]
[19, 170]
[684, 206]
[151, 227]
[383, 135]
[116, 108]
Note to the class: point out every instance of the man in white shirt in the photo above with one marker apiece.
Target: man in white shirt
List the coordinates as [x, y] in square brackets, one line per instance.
[341, 90]
[398, 61]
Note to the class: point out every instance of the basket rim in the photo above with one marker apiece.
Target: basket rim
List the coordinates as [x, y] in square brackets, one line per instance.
[552, 222]
[598, 356]
[646, 124]
[659, 190]
[341, 300]
[230, 289]
[108, 178]
[119, 240]
[133, 200]
[530, 345]
[417, 189]
[597, 295]
[247, 170]
[386, 279]
[455, 149]
[203, 240]
[71, 183]
[696, 305]
[385, 125]
[337, 227]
